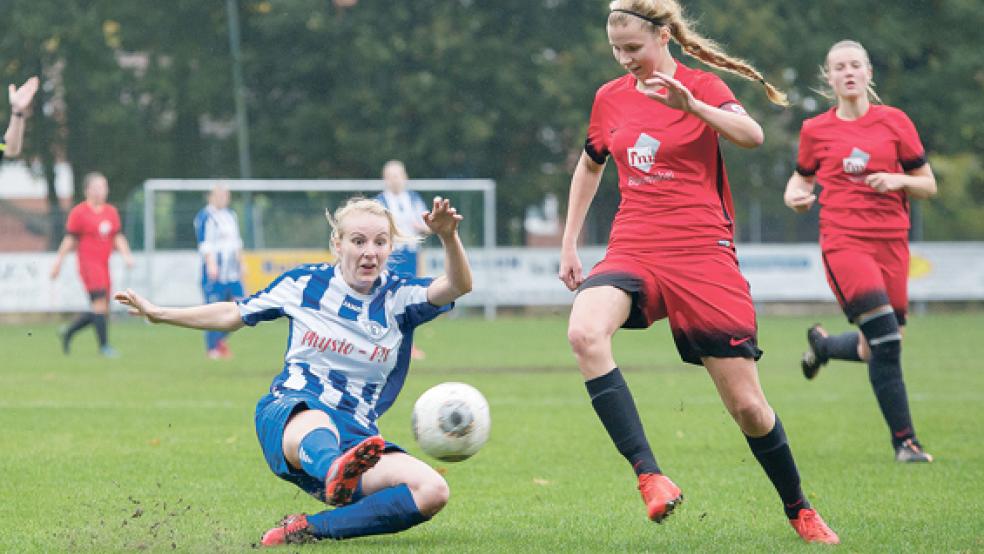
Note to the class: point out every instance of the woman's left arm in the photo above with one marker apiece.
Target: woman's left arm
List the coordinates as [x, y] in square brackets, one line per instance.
[919, 183]
[443, 221]
[738, 128]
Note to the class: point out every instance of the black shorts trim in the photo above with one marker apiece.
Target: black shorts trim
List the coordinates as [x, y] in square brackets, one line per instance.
[629, 283]
[97, 294]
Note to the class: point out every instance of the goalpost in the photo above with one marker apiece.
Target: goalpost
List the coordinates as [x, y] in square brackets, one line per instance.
[309, 197]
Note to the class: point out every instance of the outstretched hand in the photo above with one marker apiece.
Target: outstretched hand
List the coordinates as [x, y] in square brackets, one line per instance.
[20, 98]
[674, 94]
[443, 218]
[138, 305]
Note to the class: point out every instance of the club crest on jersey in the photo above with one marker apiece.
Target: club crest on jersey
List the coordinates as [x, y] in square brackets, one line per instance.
[374, 328]
[104, 228]
[642, 155]
[856, 162]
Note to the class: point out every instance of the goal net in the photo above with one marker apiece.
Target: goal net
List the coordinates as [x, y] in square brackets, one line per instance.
[282, 222]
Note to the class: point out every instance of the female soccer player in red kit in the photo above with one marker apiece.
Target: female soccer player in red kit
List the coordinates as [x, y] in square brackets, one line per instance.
[93, 228]
[870, 162]
[671, 251]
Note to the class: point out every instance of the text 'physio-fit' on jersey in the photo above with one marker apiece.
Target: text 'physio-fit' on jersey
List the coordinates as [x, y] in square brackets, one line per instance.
[350, 350]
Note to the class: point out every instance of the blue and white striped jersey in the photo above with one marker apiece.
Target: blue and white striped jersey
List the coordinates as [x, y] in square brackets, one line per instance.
[218, 234]
[350, 350]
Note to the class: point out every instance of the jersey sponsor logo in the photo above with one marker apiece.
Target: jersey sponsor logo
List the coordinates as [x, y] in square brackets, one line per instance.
[104, 228]
[856, 162]
[322, 344]
[642, 155]
[379, 354]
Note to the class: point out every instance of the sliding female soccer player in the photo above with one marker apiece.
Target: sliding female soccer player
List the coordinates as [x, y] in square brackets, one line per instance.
[870, 162]
[671, 251]
[351, 329]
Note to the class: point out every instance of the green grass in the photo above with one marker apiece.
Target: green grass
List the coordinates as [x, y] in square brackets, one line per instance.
[156, 450]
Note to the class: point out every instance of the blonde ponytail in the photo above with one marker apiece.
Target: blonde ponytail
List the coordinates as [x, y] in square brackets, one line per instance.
[669, 13]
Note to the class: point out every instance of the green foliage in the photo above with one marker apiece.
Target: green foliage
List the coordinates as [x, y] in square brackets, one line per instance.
[456, 88]
[958, 212]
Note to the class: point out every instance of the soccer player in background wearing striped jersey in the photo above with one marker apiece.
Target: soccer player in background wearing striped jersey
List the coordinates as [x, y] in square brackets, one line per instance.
[671, 251]
[221, 247]
[20, 104]
[351, 330]
[407, 207]
[870, 162]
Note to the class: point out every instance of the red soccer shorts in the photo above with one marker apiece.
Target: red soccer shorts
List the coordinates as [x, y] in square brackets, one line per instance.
[95, 275]
[701, 291]
[865, 273]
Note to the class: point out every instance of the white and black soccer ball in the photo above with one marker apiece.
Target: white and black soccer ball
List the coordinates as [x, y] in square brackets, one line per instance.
[451, 421]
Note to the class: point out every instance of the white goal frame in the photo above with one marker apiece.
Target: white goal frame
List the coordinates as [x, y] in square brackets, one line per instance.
[152, 186]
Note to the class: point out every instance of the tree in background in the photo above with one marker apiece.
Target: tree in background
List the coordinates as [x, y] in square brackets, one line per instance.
[461, 89]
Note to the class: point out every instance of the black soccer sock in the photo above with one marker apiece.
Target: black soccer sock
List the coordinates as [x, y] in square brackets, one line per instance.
[881, 330]
[842, 347]
[613, 403]
[773, 453]
[77, 325]
[101, 331]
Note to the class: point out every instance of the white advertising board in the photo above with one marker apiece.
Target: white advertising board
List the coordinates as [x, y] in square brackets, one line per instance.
[503, 276]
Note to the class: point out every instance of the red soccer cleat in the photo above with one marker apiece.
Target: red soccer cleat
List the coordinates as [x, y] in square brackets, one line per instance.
[660, 495]
[811, 528]
[345, 472]
[292, 530]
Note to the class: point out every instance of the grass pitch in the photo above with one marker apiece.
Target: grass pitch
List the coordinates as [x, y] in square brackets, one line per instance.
[156, 451]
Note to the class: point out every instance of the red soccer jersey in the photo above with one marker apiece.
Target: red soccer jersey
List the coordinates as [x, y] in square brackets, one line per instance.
[842, 153]
[670, 171]
[95, 231]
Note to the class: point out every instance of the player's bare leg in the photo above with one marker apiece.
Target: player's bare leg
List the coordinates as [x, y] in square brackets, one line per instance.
[597, 313]
[738, 385]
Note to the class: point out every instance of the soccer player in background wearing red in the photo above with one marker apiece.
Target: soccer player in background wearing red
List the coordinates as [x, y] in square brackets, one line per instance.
[671, 251]
[20, 103]
[93, 228]
[870, 162]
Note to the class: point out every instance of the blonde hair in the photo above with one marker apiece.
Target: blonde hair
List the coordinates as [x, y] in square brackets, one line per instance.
[362, 205]
[657, 13]
[828, 92]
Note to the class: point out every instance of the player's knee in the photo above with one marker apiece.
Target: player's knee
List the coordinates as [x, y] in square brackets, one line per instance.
[431, 494]
[753, 415]
[882, 335]
[586, 339]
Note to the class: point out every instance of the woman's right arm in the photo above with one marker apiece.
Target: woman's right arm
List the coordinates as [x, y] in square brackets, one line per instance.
[218, 316]
[799, 195]
[584, 186]
[67, 245]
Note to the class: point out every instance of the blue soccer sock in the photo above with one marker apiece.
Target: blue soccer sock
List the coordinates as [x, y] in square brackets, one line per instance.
[388, 511]
[317, 451]
[213, 338]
